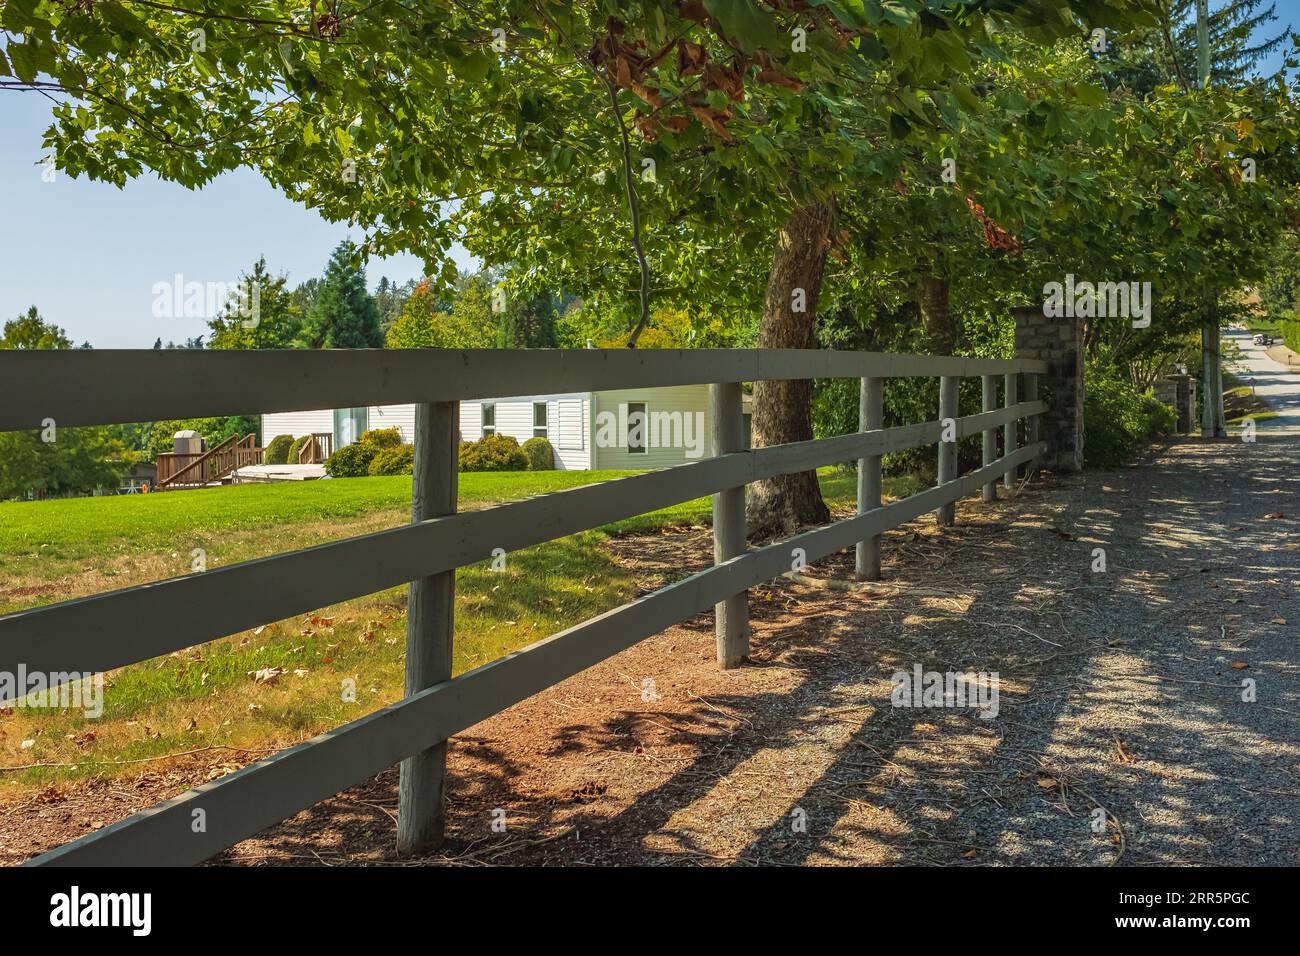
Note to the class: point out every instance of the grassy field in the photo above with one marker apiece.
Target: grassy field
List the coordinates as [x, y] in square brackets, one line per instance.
[281, 683]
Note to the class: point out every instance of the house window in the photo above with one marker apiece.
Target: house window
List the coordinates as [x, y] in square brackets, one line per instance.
[636, 428]
[349, 425]
[539, 420]
[489, 418]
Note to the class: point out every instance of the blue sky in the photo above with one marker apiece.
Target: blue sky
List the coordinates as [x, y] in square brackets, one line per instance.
[88, 255]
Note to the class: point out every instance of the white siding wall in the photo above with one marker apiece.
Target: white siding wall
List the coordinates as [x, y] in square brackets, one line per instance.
[297, 424]
[401, 417]
[571, 421]
[690, 400]
[471, 421]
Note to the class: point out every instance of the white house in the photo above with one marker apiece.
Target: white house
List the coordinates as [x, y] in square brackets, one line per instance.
[626, 429]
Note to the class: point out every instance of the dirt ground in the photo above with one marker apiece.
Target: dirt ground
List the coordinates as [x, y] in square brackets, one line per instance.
[1121, 733]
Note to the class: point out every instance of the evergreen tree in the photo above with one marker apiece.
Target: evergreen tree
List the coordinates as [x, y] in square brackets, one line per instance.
[528, 324]
[1234, 51]
[391, 299]
[1166, 54]
[344, 315]
[275, 323]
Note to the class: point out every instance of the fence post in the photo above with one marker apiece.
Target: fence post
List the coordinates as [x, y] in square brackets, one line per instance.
[1031, 422]
[989, 403]
[871, 415]
[429, 625]
[730, 617]
[947, 513]
[1009, 429]
[988, 388]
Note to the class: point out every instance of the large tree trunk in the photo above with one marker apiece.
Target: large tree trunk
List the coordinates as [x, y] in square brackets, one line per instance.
[936, 317]
[783, 409]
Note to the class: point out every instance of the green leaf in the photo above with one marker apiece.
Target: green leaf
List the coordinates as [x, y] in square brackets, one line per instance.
[1090, 95]
[744, 22]
[24, 60]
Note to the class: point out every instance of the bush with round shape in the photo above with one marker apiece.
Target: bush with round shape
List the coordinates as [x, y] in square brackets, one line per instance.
[493, 453]
[277, 452]
[1118, 420]
[393, 461]
[381, 438]
[540, 454]
[350, 461]
[295, 448]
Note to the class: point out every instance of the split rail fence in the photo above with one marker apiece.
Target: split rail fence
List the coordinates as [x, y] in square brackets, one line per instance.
[105, 631]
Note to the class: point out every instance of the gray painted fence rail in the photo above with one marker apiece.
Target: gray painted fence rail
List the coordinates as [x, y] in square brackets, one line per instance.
[117, 628]
[110, 386]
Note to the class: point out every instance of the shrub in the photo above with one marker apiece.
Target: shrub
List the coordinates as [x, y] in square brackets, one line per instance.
[493, 453]
[540, 454]
[350, 461]
[295, 448]
[393, 461]
[277, 452]
[1117, 420]
[381, 438]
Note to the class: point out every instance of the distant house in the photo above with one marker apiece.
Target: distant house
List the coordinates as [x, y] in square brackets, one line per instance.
[141, 477]
[626, 429]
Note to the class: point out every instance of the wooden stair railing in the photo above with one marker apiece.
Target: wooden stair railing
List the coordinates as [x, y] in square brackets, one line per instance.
[316, 449]
[217, 463]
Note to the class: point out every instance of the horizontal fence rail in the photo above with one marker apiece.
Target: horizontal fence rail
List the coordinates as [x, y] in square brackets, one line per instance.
[114, 629]
[117, 628]
[112, 386]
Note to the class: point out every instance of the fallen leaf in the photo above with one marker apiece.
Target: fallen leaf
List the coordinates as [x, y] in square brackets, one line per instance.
[1239, 665]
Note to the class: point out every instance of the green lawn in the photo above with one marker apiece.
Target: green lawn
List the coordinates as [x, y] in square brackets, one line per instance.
[82, 525]
[208, 695]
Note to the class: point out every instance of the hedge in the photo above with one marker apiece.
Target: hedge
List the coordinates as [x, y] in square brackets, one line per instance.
[540, 454]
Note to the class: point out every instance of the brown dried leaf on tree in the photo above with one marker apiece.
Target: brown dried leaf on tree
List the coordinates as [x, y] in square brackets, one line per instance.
[675, 124]
[725, 79]
[647, 126]
[693, 11]
[622, 72]
[691, 58]
[714, 119]
[994, 234]
[777, 78]
[649, 94]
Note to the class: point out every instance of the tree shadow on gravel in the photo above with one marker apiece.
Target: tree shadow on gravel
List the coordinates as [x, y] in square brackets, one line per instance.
[1113, 704]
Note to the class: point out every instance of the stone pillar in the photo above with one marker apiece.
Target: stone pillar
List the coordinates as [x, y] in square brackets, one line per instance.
[1058, 342]
[1179, 392]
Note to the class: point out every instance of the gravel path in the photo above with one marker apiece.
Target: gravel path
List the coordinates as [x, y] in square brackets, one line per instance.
[1121, 736]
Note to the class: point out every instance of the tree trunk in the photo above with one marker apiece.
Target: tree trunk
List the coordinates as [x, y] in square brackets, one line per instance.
[936, 318]
[783, 409]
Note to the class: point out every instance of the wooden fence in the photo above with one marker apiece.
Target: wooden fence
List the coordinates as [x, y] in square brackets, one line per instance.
[117, 628]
